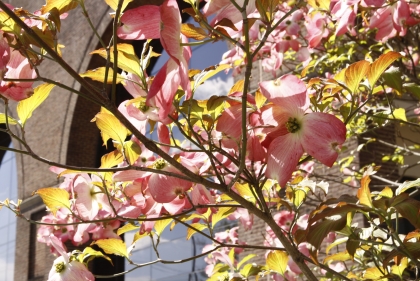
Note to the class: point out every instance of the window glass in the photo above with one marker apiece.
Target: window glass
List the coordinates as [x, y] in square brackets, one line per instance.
[8, 189]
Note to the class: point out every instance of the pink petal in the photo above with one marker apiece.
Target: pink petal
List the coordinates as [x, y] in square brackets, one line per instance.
[170, 29]
[140, 23]
[321, 134]
[165, 189]
[282, 157]
[288, 92]
[164, 138]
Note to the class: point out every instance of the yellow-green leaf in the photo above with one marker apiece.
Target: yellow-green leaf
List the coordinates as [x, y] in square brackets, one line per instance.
[208, 73]
[27, 106]
[245, 259]
[89, 254]
[112, 246]
[111, 159]
[192, 31]
[198, 226]
[160, 225]
[380, 65]
[245, 191]
[114, 4]
[110, 127]
[341, 256]
[363, 194]
[61, 5]
[277, 261]
[374, 273]
[399, 114]
[386, 192]
[355, 73]
[126, 228]
[54, 198]
[399, 269]
[127, 58]
[132, 151]
[221, 214]
[10, 120]
[98, 74]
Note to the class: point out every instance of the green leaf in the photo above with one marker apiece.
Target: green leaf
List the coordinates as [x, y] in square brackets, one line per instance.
[393, 79]
[126, 228]
[54, 198]
[379, 66]
[113, 246]
[27, 106]
[408, 208]
[98, 74]
[160, 226]
[198, 226]
[277, 261]
[10, 120]
[412, 88]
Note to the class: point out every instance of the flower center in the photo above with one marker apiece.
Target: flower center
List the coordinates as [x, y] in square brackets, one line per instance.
[159, 164]
[60, 267]
[143, 107]
[292, 125]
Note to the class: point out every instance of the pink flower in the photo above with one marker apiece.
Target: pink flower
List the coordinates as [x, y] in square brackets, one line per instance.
[66, 269]
[164, 22]
[318, 134]
[17, 68]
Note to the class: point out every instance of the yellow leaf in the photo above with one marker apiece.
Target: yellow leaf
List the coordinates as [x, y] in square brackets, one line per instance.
[341, 256]
[386, 192]
[89, 254]
[126, 228]
[61, 5]
[245, 191]
[132, 151]
[208, 73]
[355, 73]
[27, 106]
[192, 31]
[198, 226]
[221, 214]
[127, 58]
[111, 159]
[114, 4]
[10, 120]
[110, 127]
[7, 24]
[374, 273]
[379, 66]
[160, 225]
[364, 192]
[321, 4]
[399, 114]
[399, 269]
[98, 74]
[54, 198]
[277, 261]
[260, 99]
[112, 246]
[238, 87]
